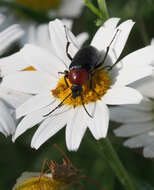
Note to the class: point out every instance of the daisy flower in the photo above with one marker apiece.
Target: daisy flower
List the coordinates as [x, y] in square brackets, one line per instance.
[138, 120]
[9, 99]
[53, 105]
[60, 8]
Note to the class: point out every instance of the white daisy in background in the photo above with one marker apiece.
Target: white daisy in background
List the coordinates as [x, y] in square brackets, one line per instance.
[49, 88]
[138, 120]
[9, 99]
[54, 8]
[8, 35]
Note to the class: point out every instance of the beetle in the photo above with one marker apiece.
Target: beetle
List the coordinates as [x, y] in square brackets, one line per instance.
[86, 63]
[82, 64]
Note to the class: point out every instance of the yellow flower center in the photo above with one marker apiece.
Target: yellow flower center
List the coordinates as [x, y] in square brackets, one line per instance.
[41, 183]
[40, 5]
[29, 69]
[100, 85]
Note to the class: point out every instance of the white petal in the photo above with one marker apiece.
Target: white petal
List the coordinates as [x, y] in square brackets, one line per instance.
[32, 82]
[39, 35]
[7, 123]
[132, 129]
[148, 151]
[68, 23]
[36, 102]
[123, 114]
[10, 35]
[58, 36]
[12, 63]
[136, 63]
[144, 105]
[2, 130]
[122, 95]
[104, 34]
[122, 36]
[76, 127]
[42, 60]
[49, 128]
[30, 120]
[139, 141]
[111, 22]
[82, 37]
[13, 98]
[145, 86]
[98, 125]
[70, 8]
[24, 177]
[143, 56]
[131, 74]
[152, 41]
[36, 117]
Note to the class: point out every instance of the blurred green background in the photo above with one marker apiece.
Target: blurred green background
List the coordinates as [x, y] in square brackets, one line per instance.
[18, 157]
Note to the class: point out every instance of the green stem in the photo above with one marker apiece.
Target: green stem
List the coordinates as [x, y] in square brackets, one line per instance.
[109, 154]
[103, 9]
[36, 15]
[93, 8]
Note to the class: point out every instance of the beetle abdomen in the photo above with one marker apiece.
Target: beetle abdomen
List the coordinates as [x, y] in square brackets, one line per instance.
[86, 59]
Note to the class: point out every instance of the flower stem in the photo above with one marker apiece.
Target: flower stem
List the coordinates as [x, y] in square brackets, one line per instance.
[103, 9]
[110, 155]
[93, 8]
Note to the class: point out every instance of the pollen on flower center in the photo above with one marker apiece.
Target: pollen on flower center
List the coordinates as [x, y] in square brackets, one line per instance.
[43, 182]
[30, 68]
[40, 5]
[100, 85]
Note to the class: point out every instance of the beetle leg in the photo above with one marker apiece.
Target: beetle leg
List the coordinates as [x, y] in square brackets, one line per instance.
[107, 50]
[82, 100]
[66, 74]
[65, 78]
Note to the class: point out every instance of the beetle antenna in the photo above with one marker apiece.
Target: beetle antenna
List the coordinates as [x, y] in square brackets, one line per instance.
[107, 51]
[67, 45]
[63, 153]
[108, 47]
[68, 36]
[85, 107]
[59, 105]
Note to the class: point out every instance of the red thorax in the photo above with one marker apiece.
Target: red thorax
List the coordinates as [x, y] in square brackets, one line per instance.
[78, 76]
